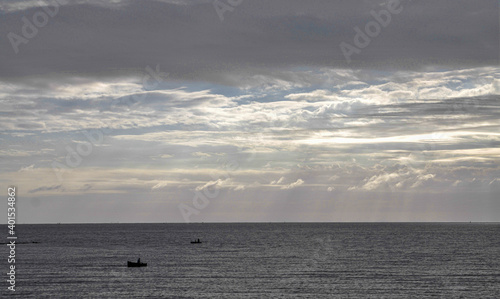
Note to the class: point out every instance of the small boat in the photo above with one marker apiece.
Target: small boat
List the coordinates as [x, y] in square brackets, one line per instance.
[196, 242]
[138, 264]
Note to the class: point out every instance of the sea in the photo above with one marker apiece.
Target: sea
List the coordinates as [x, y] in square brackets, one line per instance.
[257, 260]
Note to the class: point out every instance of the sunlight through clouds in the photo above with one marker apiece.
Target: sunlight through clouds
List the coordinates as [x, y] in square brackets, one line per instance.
[253, 108]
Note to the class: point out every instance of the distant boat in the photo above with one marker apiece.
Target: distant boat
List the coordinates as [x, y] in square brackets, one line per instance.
[196, 242]
[138, 264]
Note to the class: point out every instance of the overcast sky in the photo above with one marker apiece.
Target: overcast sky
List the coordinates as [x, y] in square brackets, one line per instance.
[177, 111]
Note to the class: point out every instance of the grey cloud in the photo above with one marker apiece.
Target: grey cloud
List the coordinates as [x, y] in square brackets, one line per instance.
[191, 43]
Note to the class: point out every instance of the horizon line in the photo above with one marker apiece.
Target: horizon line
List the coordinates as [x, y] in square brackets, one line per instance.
[267, 222]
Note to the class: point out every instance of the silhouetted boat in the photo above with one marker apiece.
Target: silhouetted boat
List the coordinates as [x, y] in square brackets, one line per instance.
[196, 242]
[139, 264]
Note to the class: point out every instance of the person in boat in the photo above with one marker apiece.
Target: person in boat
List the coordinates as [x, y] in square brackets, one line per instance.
[139, 260]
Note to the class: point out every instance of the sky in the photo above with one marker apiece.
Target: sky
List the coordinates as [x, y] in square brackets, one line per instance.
[239, 110]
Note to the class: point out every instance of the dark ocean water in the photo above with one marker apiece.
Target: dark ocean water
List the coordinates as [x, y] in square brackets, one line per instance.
[277, 260]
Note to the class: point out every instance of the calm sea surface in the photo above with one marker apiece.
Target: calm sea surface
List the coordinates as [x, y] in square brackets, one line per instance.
[277, 260]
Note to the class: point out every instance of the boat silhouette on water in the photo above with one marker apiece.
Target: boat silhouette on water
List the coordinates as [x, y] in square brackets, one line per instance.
[138, 264]
[196, 241]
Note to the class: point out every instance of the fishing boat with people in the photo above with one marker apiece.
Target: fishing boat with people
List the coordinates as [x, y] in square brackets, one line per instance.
[138, 264]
